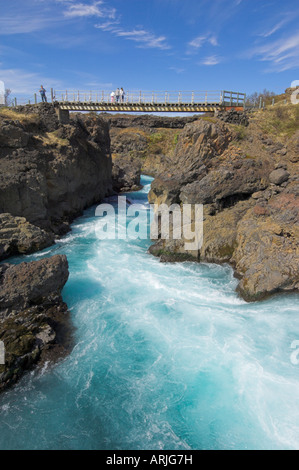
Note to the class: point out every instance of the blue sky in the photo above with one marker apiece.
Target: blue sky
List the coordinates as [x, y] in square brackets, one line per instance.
[240, 45]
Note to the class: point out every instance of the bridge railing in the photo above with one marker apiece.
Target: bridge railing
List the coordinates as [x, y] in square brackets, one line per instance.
[234, 99]
[139, 97]
[34, 99]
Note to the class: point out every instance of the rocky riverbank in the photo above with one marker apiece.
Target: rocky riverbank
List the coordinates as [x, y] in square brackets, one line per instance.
[247, 178]
[49, 173]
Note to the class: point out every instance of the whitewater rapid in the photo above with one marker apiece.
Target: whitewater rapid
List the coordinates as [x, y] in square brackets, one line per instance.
[166, 356]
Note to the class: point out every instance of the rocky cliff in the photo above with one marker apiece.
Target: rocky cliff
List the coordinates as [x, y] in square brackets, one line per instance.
[246, 176]
[49, 173]
[141, 144]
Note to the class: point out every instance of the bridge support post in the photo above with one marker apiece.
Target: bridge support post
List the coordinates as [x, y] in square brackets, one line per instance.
[63, 115]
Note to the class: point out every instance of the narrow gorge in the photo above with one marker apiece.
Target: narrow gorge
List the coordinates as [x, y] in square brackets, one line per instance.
[242, 171]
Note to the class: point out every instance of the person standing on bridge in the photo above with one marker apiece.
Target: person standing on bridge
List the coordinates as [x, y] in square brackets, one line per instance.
[112, 96]
[43, 94]
[122, 95]
[117, 95]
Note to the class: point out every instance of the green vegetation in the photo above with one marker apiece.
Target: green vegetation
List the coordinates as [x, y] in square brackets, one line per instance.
[282, 121]
[208, 118]
[240, 133]
[226, 251]
[163, 141]
[172, 257]
[175, 139]
[157, 137]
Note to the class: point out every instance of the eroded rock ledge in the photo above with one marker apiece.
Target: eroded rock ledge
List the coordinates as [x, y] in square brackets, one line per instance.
[34, 321]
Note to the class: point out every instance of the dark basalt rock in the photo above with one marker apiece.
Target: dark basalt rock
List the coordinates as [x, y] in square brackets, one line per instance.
[147, 121]
[234, 117]
[19, 236]
[34, 321]
[251, 209]
[49, 176]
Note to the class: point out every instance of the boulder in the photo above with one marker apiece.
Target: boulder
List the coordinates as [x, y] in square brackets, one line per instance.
[234, 117]
[27, 284]
[267, 249]
[279, 176]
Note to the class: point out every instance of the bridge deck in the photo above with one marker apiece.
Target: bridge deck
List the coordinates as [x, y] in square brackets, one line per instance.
[139, 107]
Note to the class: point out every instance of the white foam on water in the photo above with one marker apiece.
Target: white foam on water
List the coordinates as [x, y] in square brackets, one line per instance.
[167, 356]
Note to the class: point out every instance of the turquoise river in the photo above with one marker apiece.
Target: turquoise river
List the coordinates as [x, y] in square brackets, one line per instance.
[166, 357]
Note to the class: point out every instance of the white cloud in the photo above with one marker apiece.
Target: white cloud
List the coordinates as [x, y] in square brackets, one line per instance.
[177, 70]
[211, 60]
[273, 30]
[282, 53]
[30, 17]
[30, 20]
[144, 38]
[95, 9]
[199, 41]
[25, 24]
[284, 19]
[24, 83]
[213, 41]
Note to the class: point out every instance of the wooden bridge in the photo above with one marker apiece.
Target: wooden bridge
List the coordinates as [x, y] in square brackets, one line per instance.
[146, 102]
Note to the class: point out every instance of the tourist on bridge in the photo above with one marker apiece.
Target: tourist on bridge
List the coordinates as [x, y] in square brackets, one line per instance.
[112, 96]
[43, 94]
[122, 95]
[117, 94]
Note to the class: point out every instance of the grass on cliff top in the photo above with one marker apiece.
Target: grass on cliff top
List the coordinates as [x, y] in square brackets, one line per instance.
[8, 113]
[281, 120]
[51, 138]
[132, 130]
